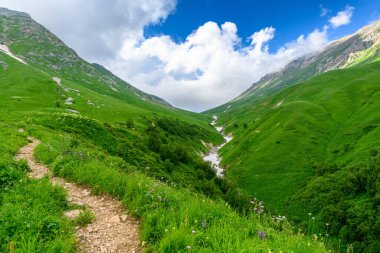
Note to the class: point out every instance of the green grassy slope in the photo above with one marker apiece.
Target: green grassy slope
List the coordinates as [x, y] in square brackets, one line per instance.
[141, 152]
[283, 141]
[30, 95]
[357, 49]
[42, 49]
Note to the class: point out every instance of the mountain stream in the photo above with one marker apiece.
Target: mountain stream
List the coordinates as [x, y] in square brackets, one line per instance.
[213, 155]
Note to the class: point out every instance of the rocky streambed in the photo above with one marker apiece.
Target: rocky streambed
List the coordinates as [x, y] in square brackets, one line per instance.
[213, 155]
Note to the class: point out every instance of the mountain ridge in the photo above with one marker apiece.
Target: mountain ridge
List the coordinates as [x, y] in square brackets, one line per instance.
[21, 34]
[352, 47]
[357, 48]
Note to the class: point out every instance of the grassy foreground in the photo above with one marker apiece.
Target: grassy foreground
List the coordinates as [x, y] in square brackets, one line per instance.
[144, 154]
[174, 219]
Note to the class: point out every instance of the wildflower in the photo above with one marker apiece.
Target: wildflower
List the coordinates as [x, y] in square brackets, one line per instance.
[188, 247]
[193, 231]
[204, 223]
[262, 235]
[309, 214]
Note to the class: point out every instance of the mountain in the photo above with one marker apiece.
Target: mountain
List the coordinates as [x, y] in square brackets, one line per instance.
[100, 132]
[307, 142]
[40, 74]
[42, 49]
[359, 48]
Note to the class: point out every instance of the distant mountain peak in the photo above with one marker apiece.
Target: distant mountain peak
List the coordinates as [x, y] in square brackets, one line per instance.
[10, 13]
[357, 48]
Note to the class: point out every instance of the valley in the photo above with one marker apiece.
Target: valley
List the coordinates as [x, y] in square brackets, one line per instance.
[290, 165]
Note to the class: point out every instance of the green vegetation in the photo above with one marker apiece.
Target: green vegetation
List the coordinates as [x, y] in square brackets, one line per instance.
[294, 147]
[30, 210]
[123, 143]
[311, 148]
[347, 199]
[173, 218]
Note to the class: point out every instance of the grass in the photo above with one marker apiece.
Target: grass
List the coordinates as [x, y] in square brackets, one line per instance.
[146, 154]
[30, 210]
[191, 221]
[85, 150]
[280, 141]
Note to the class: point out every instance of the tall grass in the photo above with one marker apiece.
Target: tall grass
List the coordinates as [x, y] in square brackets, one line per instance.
[173, 219]
[30, 210]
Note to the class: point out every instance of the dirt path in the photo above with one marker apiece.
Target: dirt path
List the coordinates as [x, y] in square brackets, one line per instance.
[111, 231]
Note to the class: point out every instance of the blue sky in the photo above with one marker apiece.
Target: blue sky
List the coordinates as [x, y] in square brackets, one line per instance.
[290, 18]
[197, 54]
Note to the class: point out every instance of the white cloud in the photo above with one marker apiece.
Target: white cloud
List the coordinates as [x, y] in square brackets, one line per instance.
[261, 37]
[210, 67]
[324, 10]
[95, 28]
[342, 17]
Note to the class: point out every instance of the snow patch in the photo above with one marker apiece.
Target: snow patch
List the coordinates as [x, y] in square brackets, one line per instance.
[6, 50]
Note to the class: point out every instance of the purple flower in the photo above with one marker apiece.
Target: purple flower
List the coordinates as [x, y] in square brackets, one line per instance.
[262, 235]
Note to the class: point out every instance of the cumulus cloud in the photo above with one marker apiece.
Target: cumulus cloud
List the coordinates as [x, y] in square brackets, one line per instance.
[342, 17]
[96, 28]
[261, 37]
[211, 66]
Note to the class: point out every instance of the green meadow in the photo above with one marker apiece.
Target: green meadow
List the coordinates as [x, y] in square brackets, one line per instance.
[143, 153]
[313, 148]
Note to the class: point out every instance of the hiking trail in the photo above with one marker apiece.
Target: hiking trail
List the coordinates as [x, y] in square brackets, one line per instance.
[112, 230]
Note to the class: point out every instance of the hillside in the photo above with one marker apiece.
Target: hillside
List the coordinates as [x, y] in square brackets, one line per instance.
[313, 148]
[42, 49]
[105, 135]
[359, 48]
